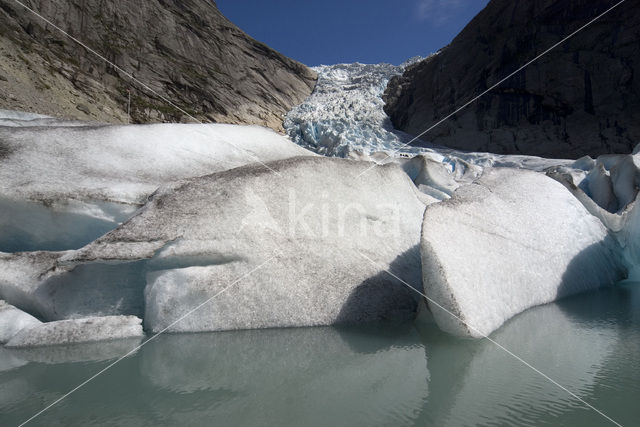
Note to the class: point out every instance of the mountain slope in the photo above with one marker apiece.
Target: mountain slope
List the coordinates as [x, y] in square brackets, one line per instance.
[185, 50]
[581, 98]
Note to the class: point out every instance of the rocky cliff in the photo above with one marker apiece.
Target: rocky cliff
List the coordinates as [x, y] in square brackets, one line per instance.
[185, 50]
[581, 98]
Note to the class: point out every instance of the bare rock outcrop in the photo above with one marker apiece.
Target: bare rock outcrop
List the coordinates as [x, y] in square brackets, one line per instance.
[582, 98]
[184, 50]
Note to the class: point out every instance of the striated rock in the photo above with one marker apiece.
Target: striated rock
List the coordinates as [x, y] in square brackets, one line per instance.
[185, 50]
[582, 98]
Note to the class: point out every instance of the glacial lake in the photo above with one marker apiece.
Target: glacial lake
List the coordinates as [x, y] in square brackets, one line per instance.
[389, 375]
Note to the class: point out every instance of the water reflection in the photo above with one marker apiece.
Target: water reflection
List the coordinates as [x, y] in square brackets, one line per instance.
[310, 376]
[70, 353]
[350, 376]
[576, 342]
[307, 376]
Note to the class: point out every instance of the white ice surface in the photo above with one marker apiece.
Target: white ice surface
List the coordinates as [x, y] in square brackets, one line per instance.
[289, 242]
[38, 283]
[511, 240]
[125, 163]
[345, 111]
[62, 187]
[608, 189]
[308, 222]
[629, 237]
[77, 331]
[12, 320]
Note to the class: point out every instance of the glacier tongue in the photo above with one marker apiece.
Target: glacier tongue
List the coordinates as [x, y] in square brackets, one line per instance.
[345, 111]
[344, 117]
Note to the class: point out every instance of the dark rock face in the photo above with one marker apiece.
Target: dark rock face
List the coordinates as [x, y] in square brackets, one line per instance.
[583, 98]
[185, 50]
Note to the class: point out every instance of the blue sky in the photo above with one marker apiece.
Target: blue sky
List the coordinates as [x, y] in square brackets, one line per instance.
[335, 31]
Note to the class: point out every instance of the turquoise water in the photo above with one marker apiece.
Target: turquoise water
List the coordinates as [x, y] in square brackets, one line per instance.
[349, 376]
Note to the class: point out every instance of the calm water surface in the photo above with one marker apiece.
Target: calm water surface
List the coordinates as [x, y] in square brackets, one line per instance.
[377, 375]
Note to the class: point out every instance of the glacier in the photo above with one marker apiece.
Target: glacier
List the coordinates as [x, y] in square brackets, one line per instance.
[150, 220]
[344, 117]
[344, 114]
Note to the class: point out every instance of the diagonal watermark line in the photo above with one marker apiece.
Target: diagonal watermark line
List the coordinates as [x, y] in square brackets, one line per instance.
[111, 365]
[471, 101]
[509, 352]
[132, 77]
[122, 70]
